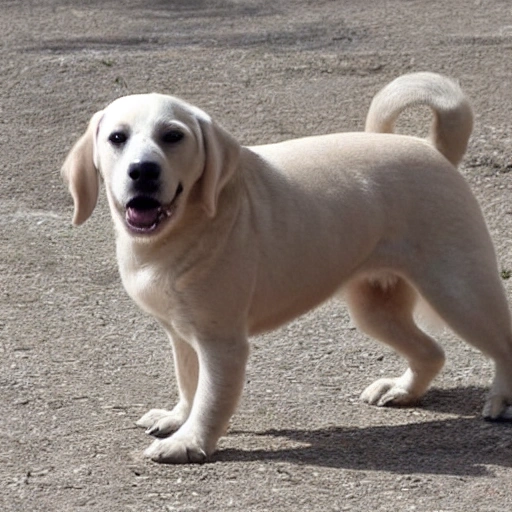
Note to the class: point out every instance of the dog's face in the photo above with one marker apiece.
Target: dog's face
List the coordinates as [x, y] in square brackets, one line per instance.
[150, 152]
[154, 153]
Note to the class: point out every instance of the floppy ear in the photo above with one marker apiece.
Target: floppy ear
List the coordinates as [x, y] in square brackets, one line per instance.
[221, 151]
[80, 172]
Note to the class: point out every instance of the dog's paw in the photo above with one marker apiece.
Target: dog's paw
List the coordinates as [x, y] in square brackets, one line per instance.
[161, 422]
[151, 417]
[176, 450]
[388, 392]
[497, 408]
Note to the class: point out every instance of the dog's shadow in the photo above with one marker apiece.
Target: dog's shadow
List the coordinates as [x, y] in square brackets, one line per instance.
[464, 445]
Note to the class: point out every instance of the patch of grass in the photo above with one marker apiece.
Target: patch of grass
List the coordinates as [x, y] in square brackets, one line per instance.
[506, 274]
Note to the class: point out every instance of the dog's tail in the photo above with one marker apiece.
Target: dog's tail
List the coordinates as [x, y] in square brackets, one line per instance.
[453, 118]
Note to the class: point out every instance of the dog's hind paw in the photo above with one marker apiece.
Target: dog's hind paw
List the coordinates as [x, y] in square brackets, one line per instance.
[497, 408]
[385, 392]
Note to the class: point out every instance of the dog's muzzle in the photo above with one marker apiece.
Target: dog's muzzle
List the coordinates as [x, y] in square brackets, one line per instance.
[144, 212]
[145, 177]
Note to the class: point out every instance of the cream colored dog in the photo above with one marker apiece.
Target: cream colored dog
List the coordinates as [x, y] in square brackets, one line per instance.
[219, 242]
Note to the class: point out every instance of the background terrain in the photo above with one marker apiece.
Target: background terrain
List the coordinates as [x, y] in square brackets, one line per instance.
[79, 363]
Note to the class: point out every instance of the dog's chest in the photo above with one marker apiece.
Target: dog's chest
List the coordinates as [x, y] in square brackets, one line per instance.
[150, 287]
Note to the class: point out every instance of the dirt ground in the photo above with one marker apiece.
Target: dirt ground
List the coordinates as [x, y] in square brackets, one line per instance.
[80, 363]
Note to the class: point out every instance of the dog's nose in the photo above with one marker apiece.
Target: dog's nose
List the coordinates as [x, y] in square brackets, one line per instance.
[144, 175]
[144, 171]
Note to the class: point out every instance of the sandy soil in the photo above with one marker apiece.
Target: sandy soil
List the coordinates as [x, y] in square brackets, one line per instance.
[79, 362]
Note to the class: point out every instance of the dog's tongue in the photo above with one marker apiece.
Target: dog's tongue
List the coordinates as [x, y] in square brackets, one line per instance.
[142, 218]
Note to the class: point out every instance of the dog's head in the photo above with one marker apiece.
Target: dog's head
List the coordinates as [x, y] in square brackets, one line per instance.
[154, 153]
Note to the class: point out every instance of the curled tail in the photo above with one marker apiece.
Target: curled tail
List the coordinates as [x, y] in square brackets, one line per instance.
[453, 118]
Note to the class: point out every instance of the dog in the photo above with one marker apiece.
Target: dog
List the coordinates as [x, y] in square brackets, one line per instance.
[220, 242]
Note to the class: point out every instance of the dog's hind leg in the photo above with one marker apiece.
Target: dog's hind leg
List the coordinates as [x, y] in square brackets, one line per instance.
[384, 310]
[470, 298]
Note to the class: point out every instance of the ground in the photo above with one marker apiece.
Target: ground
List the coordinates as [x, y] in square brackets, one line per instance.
[80, 363]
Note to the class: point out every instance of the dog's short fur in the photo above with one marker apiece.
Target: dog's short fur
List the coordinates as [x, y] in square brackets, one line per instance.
[219, 242]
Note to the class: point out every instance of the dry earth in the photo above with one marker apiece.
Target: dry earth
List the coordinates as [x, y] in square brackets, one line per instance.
[79, 362]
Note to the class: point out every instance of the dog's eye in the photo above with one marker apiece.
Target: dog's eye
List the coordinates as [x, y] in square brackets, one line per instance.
[118, 138]
[172, 136]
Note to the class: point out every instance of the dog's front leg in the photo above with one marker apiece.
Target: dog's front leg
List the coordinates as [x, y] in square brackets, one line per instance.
[162, 422]
[219, 387]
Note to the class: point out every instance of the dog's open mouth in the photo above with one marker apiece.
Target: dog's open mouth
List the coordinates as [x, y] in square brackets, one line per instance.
[144, 214]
